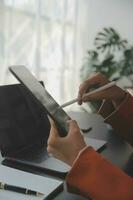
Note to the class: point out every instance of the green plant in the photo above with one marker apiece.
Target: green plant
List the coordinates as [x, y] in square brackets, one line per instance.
[112, 56]
[127, 62]
[109, 41]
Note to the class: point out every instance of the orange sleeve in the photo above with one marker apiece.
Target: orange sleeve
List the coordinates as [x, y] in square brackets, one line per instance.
[121, 119]
[96, 178]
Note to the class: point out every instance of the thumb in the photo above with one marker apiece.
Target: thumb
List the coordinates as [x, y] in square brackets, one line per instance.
[53, 130]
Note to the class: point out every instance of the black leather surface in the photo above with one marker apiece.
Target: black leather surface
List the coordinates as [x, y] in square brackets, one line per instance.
[22, 122]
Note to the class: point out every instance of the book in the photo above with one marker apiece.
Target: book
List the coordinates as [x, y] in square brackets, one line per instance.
[38, 183]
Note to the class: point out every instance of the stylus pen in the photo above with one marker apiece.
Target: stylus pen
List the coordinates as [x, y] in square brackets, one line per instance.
[89, 93]
[18, 189]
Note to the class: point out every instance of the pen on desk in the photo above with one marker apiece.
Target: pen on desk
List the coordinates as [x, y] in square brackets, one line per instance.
[18, 189]
[89, 93]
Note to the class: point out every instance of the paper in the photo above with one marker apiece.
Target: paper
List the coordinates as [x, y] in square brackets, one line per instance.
[96, 144]
[27, 180]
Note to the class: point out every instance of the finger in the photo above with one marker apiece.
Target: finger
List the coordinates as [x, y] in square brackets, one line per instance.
[73, 127]
[56, 153]
[79, 99]
[82, 90]
[50, 150]
[53, 126]
[96, 79]
[53, 130]
[105, 94]
[51, 121]
[53, 137]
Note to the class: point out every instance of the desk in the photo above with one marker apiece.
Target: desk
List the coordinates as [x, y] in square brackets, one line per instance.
[117, 150]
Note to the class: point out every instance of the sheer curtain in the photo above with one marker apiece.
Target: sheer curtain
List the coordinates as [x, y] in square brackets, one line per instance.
[49, 37]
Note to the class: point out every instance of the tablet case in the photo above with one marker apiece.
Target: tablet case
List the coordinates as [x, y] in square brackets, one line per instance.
[22, 122]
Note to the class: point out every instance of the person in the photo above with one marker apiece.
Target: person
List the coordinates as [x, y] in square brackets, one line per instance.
[92, 175]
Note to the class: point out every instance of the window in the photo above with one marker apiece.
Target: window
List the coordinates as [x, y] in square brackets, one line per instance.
[41, 35]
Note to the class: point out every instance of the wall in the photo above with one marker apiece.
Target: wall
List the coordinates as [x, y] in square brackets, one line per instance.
[115, 13]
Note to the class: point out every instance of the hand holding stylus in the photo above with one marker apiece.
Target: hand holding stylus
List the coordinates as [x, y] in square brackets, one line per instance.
[104, 90]
[87, 95]
[114, 93]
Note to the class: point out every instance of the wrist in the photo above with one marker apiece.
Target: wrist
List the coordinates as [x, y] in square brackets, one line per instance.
[74, 156]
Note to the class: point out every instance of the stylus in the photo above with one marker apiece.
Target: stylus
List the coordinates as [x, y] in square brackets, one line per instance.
[89, 93]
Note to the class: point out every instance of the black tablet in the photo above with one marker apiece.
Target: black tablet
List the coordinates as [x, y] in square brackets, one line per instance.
[42, 97]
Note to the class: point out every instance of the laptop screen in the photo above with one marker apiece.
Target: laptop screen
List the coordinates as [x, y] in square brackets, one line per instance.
[42, 96]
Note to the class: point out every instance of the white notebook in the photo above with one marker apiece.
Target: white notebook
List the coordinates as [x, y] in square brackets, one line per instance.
[27, 180]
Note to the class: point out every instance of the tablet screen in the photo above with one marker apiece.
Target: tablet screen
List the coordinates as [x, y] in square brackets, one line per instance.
[42, 96]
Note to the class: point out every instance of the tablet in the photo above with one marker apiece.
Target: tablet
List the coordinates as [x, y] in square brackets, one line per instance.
[42, 97]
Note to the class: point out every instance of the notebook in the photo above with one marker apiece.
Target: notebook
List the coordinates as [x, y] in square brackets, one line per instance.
[41, 184]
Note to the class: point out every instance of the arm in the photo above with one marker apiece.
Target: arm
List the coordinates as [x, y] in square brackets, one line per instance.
[121, 118]
[91, 174]
[117, 107]
[95, 177]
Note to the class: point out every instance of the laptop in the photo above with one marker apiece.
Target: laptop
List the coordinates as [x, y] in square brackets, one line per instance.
[38, 157]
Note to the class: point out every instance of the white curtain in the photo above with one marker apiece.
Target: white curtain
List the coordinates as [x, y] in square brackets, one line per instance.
[49, 37]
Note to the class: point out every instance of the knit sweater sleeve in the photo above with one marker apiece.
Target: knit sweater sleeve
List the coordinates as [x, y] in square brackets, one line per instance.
[96, 178]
